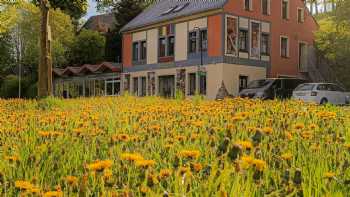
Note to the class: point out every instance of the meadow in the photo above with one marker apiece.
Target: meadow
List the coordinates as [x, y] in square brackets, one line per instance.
[128, 146]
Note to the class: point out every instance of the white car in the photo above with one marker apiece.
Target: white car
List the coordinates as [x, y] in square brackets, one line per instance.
[321, 93]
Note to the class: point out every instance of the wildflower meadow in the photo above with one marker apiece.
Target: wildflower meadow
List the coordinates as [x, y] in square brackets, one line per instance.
[127, 146]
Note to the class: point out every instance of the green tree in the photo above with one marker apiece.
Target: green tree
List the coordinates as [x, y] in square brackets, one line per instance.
[125, 11]
[75, 8]
[333, 40]
[7, 15]
[88, 47]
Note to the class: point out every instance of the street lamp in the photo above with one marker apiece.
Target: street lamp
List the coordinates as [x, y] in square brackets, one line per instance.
[201, 51]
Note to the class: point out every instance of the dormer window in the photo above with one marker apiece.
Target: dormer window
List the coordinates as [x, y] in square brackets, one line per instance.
[175, 9]
[168, 11]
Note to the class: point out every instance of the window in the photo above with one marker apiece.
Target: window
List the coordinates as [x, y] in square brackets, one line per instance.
[231, 36]
[243, 40]
[166, 42]
[247, 5]
[265, 6]
[203, 83]
[181, 7]
[143, 86]
[192, 42]
[302, 56]
[135, 51]
[284, 47]
[171, 45]
[143, 50]
[243, 82]
[285, 9]
[300, 15]
[265, 40]
[136, 86]
[255, 40]
[204, 39]
[192, 84]
[162, 47]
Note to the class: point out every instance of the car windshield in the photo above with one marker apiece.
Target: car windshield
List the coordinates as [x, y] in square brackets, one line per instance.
[259, 83]
[305, 87]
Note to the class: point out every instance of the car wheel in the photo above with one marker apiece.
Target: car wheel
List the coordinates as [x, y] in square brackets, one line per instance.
[324, 101]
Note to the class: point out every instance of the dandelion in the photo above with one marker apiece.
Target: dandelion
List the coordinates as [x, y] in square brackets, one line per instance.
[100, 165]
[287, 156]
[267, 130]
[145, 163]
[329, 175]
[197, 167]
[23, 185]
[71, 180]
[245, 144]
[299, 126]
[131, 157]
[190, 154]
[53, 194]
[260, 165]
[164, 173]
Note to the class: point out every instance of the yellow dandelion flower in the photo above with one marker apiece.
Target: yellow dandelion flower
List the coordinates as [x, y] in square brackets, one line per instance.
[287, 156]
[71, 180]
[131, 157]
[191, 154]
[23, 185]
[197, 167]
[267, 130]
[329, 175]
[100, 165]
[245, 144]
[260, 165]
[299, 126]
[53, 194]
[164, 173]
[145, 163]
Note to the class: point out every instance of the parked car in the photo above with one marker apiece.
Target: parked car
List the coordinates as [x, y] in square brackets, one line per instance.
[321, 93]
[271, 88]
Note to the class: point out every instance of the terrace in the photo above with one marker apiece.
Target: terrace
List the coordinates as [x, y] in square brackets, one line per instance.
[87, 80]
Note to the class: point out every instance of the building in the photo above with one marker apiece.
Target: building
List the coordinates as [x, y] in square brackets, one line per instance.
[206, 45]
[103, 23]
[87, 80]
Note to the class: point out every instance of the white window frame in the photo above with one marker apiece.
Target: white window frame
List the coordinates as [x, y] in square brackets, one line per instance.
[288, 46]
[302, 20]
[237, 30]
[250, 39]
[268, 7]
[288, 9]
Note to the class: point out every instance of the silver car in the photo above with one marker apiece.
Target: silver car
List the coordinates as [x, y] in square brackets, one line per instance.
[321, 93]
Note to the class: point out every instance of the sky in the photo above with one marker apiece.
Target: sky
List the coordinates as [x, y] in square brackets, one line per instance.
[92, 9]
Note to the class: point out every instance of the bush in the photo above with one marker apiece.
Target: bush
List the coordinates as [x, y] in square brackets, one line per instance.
[31, 91]
[9, 87]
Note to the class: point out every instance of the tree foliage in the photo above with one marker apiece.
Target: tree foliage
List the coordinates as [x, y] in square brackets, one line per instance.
[88, 47]
[333, 40]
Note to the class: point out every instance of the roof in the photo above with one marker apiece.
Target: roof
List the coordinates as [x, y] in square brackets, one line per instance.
[157, 12]
[101, 23]
[87, 69]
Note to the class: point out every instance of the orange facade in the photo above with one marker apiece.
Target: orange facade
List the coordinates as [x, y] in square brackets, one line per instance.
[127, 50]
[296, 32]
[215, 32]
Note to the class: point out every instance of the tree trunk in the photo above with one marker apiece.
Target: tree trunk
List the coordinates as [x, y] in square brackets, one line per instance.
[45, 65]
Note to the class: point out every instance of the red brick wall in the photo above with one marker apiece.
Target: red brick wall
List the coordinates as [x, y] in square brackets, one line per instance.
[127, 50]
[296, 32]
[215, 34]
